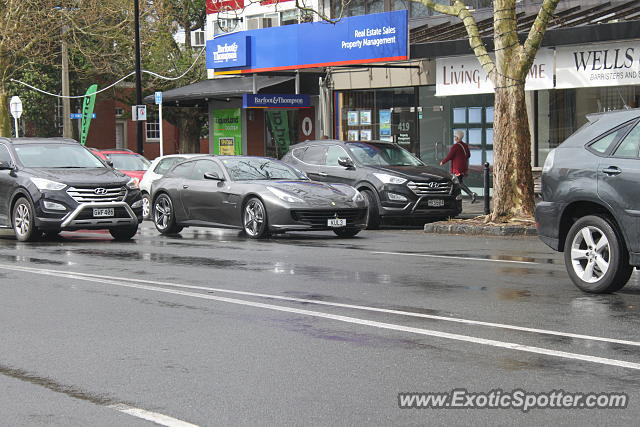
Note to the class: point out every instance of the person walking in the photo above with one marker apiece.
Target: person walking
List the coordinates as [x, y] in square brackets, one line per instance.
[459, 157]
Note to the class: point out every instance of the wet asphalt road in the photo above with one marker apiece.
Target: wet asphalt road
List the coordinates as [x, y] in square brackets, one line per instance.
[153, 328]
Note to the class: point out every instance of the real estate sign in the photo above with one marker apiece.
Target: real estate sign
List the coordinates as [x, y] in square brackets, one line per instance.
[227, 132]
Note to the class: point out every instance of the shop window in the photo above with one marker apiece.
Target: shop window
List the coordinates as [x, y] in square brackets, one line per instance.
[488, 114]
[475, 114]
[153, 125]
[460, 115]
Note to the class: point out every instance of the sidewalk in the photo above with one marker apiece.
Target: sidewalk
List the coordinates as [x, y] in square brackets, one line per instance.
[471, 210]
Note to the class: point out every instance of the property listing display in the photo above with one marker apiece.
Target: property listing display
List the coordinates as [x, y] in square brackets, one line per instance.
[227, 132]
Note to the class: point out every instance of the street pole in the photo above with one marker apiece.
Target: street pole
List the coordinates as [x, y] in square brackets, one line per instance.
[67, 128]
[140, 124]
[16, 123]
[161, 138]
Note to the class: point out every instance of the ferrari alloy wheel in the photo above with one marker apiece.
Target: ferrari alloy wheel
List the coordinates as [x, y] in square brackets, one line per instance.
[254, 219]
[164, 216]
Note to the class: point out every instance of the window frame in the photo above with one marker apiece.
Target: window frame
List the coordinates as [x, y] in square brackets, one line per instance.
[621, 140]
[614, 144]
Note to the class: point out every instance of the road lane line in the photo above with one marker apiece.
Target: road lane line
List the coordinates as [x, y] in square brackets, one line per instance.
[363, 308]
[464, 258]
[352, 320]
[155, 417]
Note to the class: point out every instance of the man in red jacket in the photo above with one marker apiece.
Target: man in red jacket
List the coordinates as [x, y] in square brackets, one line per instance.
[459, 157]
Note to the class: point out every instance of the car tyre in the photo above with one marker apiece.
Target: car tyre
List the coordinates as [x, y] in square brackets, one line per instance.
[595, 256]
[23, 221]
[254, 219]
[346, 232]
[146, 206]
[164, 216]
[123, 233]
[373, 213]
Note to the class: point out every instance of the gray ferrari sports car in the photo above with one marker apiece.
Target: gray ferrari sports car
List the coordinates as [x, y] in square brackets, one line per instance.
[255, 194]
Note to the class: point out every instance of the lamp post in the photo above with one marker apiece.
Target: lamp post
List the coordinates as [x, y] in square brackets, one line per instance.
[140, 124]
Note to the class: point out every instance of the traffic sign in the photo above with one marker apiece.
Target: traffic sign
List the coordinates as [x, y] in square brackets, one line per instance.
[15, 105]
[158, 96]
[79, 115]
[139, 113]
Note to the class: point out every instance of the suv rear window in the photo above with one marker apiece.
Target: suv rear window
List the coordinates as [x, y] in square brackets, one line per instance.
[602, 145]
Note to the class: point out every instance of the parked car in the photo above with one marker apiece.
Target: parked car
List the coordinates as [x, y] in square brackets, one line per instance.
[394, 182]
[126, 161]
[258, 195]
[158, 167]
[52, 184]
[591, 207]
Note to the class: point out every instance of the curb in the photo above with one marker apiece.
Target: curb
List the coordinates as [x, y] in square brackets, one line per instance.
[479, 230]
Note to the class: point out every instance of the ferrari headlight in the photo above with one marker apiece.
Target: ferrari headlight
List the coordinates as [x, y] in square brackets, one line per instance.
[389, 179]
[45, 184]
[283, 195]
[358, 197]
[133, 184]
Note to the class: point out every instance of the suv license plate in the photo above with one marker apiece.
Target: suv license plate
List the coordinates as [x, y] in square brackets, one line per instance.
[435, 203]
[103, 212]
[337, 222]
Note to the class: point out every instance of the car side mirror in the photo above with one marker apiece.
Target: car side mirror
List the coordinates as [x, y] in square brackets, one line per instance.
[109, 163]
[345, 162]
[4, 165]
[213, 176]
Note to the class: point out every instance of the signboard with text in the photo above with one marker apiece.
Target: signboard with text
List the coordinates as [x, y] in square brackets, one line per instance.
[594, 65]
[227, 132]
[215, 6]
[275, 101]
[225, 52]
[355, 40]
[463, 75]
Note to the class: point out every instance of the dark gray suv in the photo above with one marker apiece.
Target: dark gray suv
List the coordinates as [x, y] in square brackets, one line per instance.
[394, 183]
[591, 204]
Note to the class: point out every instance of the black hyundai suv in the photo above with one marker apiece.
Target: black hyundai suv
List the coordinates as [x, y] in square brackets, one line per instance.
[394, 182]
[52, 184]
[591, 205]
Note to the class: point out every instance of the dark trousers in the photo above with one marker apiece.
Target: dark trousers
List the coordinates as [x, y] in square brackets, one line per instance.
[464, 187]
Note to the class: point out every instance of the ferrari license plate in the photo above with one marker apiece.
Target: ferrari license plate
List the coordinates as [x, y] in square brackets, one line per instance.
[337, 222]
[435, 203]
[103, 212]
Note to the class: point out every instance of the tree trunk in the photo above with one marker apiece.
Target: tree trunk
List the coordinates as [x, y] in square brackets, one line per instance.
[5, 115]
[512, 177]
[189, 134]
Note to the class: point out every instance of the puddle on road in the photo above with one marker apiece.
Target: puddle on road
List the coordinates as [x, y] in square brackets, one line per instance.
[40, 261]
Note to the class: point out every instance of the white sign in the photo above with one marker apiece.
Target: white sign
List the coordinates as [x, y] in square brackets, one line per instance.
[139, 113]
[463, 75]
[15, 106]
[593, 65]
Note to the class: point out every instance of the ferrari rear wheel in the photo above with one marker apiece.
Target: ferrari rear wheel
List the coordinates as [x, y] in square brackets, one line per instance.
[254, 219]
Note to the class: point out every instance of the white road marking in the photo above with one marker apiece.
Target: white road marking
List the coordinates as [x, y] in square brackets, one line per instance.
[464, 258]
[348, 319]
[363, 308]
[155, 417]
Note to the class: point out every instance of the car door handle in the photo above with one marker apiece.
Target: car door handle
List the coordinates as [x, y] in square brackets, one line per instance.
[612, 170]
[185, 186]
[322, 174]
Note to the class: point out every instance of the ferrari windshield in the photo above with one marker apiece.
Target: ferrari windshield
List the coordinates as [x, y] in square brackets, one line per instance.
[56, 156]
[380, 154]
[255, 168]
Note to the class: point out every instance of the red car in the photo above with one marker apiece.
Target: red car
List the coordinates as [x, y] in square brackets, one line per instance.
[126, 161]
